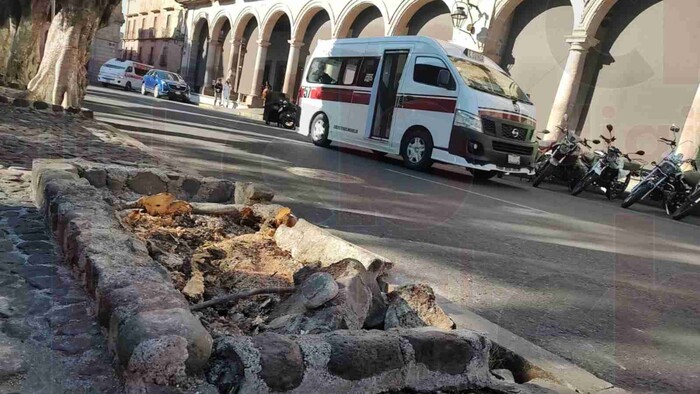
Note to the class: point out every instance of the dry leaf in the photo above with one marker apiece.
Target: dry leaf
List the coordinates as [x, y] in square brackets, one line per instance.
[164, 204]
[285, 216]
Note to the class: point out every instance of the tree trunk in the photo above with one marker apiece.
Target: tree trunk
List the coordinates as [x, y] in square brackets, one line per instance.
[62, 75]
[10, 14]
[25, 51]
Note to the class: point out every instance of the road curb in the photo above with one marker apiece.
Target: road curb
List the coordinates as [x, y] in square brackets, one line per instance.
[553, 367]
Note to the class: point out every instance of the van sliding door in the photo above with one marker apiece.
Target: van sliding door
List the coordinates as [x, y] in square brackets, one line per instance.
[390, 77]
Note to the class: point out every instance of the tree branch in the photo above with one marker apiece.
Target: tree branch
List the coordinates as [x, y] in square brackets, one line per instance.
[238, 296]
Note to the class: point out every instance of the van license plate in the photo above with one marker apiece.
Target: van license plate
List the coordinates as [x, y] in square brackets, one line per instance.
[513, 159]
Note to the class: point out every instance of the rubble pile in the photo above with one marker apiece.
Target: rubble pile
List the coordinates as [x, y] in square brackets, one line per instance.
[205, 279]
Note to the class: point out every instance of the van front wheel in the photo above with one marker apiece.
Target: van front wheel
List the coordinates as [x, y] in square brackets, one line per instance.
[319, 131]
[417, 150]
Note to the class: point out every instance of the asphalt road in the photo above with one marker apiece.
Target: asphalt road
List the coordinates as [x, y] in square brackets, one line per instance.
[615, 291]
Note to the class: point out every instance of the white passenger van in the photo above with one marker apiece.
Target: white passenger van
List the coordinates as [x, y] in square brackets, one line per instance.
[125, 73]
[424, 99]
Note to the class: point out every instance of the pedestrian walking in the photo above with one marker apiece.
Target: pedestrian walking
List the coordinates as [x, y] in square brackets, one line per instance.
[227, 93]
[218, 90]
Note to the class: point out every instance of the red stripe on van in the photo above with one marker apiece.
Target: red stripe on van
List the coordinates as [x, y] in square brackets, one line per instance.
[340, 95]
[433, 104]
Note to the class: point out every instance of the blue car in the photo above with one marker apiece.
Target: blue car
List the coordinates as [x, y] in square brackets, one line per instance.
[165, 83]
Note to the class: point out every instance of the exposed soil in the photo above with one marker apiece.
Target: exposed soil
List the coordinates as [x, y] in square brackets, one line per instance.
[225, 254]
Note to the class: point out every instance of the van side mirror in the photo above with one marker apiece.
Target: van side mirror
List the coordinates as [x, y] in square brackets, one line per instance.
[443, 79]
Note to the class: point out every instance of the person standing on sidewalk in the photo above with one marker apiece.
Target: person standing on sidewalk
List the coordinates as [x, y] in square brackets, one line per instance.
[227, 93]
[218, 89]
[265, 93]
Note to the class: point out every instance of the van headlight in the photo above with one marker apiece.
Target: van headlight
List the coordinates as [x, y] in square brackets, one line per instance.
[470, 121]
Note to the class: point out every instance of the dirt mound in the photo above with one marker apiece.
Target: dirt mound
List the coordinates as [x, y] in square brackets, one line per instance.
[209, 256]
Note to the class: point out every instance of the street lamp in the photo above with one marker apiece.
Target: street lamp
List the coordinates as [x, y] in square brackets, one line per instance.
[462, 12]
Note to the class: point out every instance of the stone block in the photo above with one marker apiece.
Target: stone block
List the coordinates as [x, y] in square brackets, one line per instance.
[363, 354]
[41, 105]
[281, 361]
[148, 183]
[413, 306]
[86, 113]
[214, 190]
[97, 176]
[318, 289]
[20, 102]
[250, 193]
[159, 361]
[154, 324]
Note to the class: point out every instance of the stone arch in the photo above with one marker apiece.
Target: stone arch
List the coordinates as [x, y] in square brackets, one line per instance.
[219, 23]
[500, 24]
[352, 10]
[241, 22]
[405, 14]
[632, 60]
[272, 17]
[307, 13]
[594, 14]
[201, 34]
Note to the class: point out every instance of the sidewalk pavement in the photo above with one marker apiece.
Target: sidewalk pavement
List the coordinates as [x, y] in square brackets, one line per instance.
[49, 338]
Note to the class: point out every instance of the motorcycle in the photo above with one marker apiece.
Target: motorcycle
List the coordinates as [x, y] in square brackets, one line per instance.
[612, 170]
[563, 159]
[281, 111]
[691, 179]
[665, 182]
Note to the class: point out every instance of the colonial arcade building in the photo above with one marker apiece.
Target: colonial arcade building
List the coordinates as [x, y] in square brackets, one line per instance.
[632, 63]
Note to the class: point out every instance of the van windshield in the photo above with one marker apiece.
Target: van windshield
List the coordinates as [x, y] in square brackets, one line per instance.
[489, 80]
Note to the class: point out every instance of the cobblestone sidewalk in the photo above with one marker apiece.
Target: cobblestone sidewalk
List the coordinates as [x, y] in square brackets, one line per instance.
[49, 339]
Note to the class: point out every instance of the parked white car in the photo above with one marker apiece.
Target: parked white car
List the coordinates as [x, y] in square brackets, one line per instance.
[125, 73]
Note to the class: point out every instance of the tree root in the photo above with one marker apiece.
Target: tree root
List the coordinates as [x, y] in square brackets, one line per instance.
[238, 296]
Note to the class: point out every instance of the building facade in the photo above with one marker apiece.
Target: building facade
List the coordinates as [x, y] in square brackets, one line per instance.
[106, 45]
[154, 33]
[633, 64]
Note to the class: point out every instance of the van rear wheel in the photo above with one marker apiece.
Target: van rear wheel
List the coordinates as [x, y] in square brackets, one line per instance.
[127, 87]
[417, 150]
[319, 131]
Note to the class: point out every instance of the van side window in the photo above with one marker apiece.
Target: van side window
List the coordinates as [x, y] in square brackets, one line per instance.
[368, 71]
[427, 70]
[141, 71]
[350, 70]
[325, 70]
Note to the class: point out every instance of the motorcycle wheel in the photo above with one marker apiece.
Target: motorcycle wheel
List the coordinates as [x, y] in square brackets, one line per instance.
[637, 194]
[546, 170]
[687, 207]
[583, 183]
[613, 192]
[287, 121]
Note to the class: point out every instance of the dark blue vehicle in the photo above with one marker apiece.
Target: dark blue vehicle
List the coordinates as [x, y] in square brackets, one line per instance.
[165, 83]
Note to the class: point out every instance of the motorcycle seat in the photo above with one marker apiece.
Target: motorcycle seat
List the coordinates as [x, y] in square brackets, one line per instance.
[692, 177]
[632, 166]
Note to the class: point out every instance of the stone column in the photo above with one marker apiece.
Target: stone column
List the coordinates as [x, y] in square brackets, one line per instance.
[690, 135]
[210, 71]
[567, 93]
[254, 99]
[232, 72]
[290, 75]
